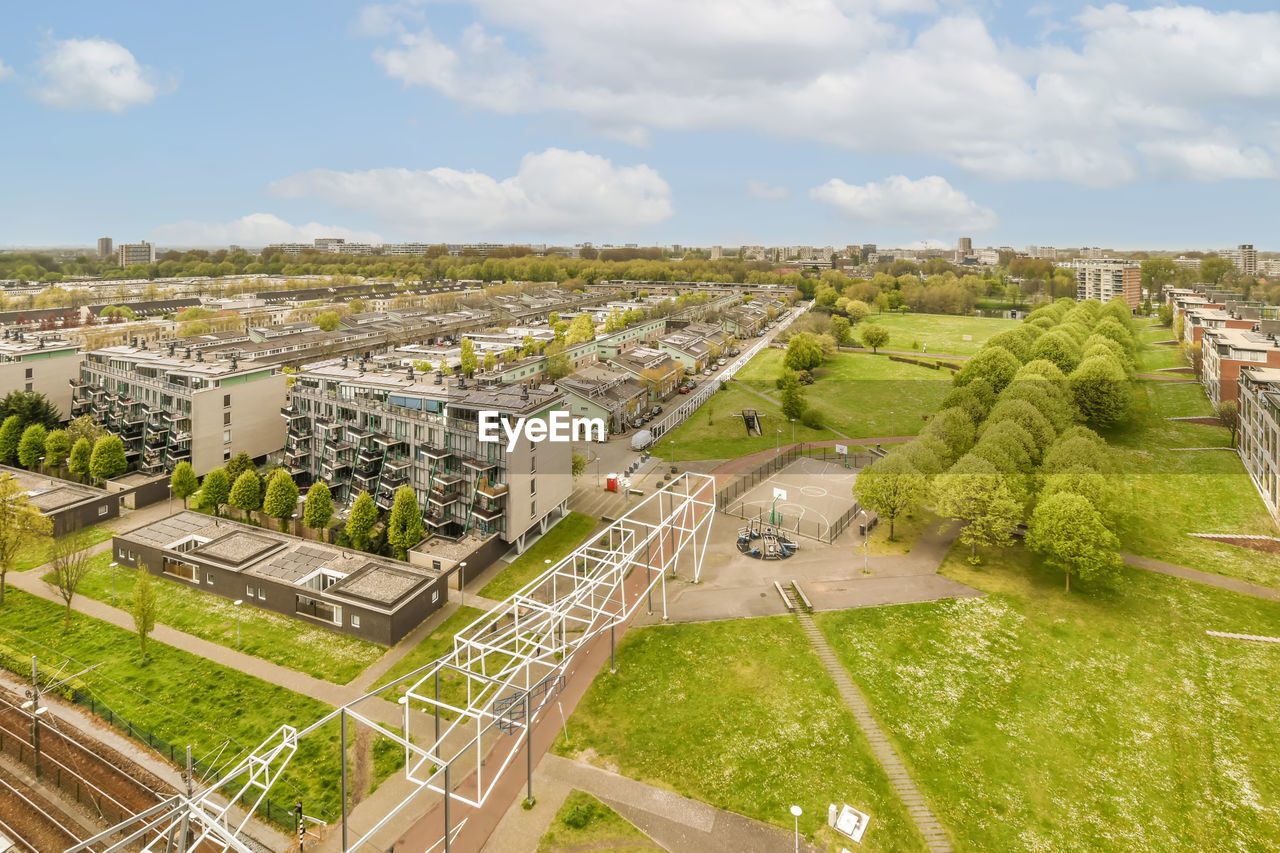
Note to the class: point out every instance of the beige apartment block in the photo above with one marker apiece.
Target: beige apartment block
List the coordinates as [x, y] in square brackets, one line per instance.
[30, 362]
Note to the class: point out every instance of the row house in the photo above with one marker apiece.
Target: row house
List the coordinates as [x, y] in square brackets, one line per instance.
[611, 394]
[655, 370]
[1259, 436]
[1226, 351]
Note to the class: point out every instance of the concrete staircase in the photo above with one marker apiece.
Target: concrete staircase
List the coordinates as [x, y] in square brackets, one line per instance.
[935, 835]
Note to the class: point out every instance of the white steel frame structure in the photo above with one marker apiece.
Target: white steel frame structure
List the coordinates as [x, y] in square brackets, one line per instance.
[465, 717]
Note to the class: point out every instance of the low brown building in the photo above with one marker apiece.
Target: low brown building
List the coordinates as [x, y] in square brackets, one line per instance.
[70, 506]
[348, 591]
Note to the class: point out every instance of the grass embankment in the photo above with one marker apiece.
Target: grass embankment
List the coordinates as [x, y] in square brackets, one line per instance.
[585, 823]
[180, 697]
[567, 534]
[1100, 719]
[32, 556]
[740, 715]
[288, 642]
[435, 646]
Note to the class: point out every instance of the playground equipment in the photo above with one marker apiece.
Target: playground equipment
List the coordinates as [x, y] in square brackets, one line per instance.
[764, 541]
[752, 420]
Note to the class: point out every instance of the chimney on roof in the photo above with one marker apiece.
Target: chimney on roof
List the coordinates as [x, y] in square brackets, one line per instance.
[344, 361]
[234, 362]
[409, 371]
[462, 381]
[172, 347]
[186, 353]
[439, 378]
[199, 355]
[40, 345]
[134, 341]
[524, 391]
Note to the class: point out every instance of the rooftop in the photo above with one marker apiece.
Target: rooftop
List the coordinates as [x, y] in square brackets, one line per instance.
[49, 494]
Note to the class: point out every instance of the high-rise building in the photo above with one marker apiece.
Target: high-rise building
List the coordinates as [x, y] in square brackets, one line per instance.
[105, 249]
[1107, 278]
[964, 246]
[717, 253]
[1244, 256]
[129, 254]
[329, 244]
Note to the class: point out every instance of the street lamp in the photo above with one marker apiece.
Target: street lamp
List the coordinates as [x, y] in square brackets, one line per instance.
[795, 813]
[777, 442]
[866, 542]
[672, 442]
[170, 497]
[890, 423]
[114, 566]
[237, 603]
[462, 573]
[793, 430]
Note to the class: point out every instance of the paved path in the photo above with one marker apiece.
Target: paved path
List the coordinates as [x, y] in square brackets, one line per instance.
[935, 835]
[673, 821]
[1242, 587]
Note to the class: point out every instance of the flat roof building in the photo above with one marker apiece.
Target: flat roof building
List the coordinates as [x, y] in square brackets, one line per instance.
[1108, 278]
[68, 506]
[41, 363]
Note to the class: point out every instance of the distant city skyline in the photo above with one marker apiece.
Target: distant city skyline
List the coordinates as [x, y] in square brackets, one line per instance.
[747, 123]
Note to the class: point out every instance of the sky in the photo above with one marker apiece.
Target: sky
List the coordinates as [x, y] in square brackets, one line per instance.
[699, 122]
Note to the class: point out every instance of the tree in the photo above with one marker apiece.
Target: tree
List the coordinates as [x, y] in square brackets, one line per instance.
[976, 495]
[328, 321]
[81, 455]
[840, 331]
[318, 509]
[108, 460]
[891, 487]
[21, 526]
[793, 402]
[360, 522]
[216, 490]
[31, 446]
[954, 429]
[1214, 270]
[874, 336]
[237, 465]
[145, 606]
[84, 427]
[246, 492]
[33, 407]
[804, 352]
[404, 529]
[1069, 533]
[579, 464]
[995, 364]
[470, 362]
[1156, 274]
[857, 310]
[581, 329]
[71, 565]
[490, 362]
[1100, 389]
[184, 482]
[1229, 416]
[10, 436]
[57, 447]
[281, 499]
[1166, 314]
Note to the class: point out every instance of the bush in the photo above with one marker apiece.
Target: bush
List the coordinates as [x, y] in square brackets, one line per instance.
[580, 815]
[805, 377]
[811, 419]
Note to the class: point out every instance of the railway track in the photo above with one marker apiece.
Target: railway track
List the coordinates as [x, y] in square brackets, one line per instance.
[31, 822]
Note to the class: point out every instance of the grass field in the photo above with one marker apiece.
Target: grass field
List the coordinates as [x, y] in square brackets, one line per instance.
[939, 333]
[181, 697]
[740, 715]
[859, 394]
[585, 823]
[288, 642]
[566, 535]
[434, 646]
[713, 432]
[1167, 493]
[1102, 719]
[1155, 357]
[30, 557]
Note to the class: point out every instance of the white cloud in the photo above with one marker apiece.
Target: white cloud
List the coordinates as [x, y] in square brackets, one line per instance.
[928, 203]
[1210, 159]
[847, 72]
[94, 74]
[553, 192]
[765, 190]
[5, 71]
[256, 229]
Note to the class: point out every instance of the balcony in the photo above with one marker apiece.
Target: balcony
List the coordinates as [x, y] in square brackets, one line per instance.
[297, 452]
[292, 414]
[491, 490]
[479, 464]
[435, 453]
[488, 512]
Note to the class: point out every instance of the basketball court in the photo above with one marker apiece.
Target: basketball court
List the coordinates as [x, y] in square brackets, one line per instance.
[806, 497]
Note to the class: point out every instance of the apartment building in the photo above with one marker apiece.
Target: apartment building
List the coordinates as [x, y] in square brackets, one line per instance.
[1107, 278]
[613, 395]
[105, 248]
[1259, 432]
[346, 591]
[33, 362]
[171, 405]
[362, 428]
[1226, 351]
[658, 372]
[128, 254]
[1244, 256]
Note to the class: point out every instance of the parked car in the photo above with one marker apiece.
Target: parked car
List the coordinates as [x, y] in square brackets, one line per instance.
[683, 389]
[722, 362]
[707, 372]
[657, 410]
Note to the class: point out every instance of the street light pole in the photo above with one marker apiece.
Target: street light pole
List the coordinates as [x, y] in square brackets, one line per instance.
[793, 430]
[114, 566]
[672, 442]
[891, 423]
[237, 603]
[777, 442]
[795, 813]
[462, 574]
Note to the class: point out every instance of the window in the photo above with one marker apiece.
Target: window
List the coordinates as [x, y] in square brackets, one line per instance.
[355, 621]
[533, 508]
[226, 400]
[226, 418]
[226, 456]
[208, 577]
[435, 564]
[533, 464]
[533, 486]
[248, 592]
[28, 376]
[103, 510]
[28, 388]
[262, 595]
[226, 436]
[435, 596]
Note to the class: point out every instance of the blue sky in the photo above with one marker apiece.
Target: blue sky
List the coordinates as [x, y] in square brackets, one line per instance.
[650, 121]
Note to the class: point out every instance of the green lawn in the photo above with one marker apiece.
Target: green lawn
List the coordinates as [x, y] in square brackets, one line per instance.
[270, 636]
[1102, 719]
[433, 647]
[1154, 357]
[567, 534]
[30, 557]
[1167, 493]
[585, 823]
[716, 432]
[940, 333]
[859, 394]
[740, 715]
[181, 697]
